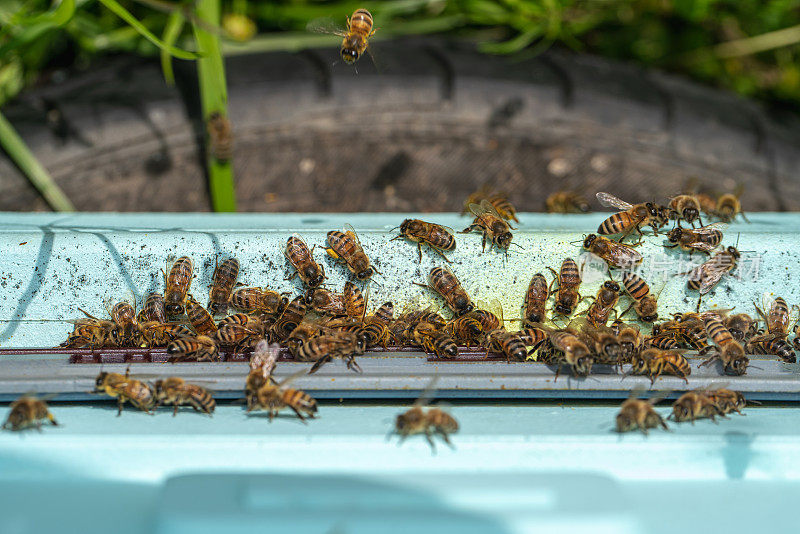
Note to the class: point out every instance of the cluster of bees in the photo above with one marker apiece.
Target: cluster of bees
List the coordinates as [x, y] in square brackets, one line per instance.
[320, 325]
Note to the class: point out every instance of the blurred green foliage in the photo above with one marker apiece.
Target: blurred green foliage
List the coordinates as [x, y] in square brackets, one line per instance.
[685, 36]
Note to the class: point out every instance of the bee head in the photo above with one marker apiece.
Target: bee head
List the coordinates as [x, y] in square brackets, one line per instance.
[675, 234]
[504, 240]
[690, 214]
[173, 348]
[349, 54]
[366, 273]
[611, 286]
[451, 350]
[315, 274]
[590, 239]
[733, 252]
[174, 309]
[101, 378]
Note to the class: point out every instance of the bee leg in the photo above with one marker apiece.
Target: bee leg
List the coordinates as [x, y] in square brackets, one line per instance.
[429, 437]
[299, 415]
[419, 252]
[484, 242]
[53, 421]
[120, 402]
[175, 410]
[446, 438]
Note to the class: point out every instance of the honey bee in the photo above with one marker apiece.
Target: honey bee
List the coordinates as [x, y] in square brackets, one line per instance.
[494, 227]
[153, 309]
[638, 414]
[310, 272]
[629, 337]
[200, 319]
[602, 342]
[355, 37]
[631, 217]
[739, 325]
[567, 202]
[704, 277]
[466, 329]
[656, 362]
[703, 239]
[177, 392]
[27, 412]
[727, 401]
[324, 348]
[155, 334]
[354, 302]
[291, 317]
[569, 280]
[177, 284]
[532, 336]
[91, 332]
[575, 352]
[345, 246]
[220, 136]
[777, 320]
[691, 328]
[498, 200]
[685, 207]
[694, 405]
[124, 317]
[644, 303]
[252, 299]
[430, 422]
[607, 296]
[262, 363]
[728, 206]
[224, 280]
[326, 302]
[729, 351]
[536, 299]
[273, 397]
[438, 342]
[233, 334]
[437, 237]
[384, 314]
[124, 388]
[772, 344]
[198, 348]
[613, 253]
[444, 282]
[665, 341]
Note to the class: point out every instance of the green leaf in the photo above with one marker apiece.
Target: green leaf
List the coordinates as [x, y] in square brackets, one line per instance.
[18, 151]
[125, 15]
[213, 98]
[172, 31]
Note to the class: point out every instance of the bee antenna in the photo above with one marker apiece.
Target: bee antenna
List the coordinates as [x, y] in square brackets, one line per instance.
[737, 240]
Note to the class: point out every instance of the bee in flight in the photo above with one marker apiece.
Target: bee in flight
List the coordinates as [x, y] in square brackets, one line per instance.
[355, 37]
[431, 422]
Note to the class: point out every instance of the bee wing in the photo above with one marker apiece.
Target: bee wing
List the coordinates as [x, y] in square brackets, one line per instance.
[283, 384]
[713, 226]
[445, 227]
[349, 230]
[712, 276]
[486, 207]
[427, 394]
[625, 252]
[610, 201]
[325, 25]
[704, 247]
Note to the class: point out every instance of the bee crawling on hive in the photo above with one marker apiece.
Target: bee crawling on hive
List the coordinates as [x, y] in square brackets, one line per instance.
[124, 388]
[430, 422]
[178, 392]
[439, 238]
[274, 396]
[707, 403]
[28, 411]
[638, 414]
[491, 224]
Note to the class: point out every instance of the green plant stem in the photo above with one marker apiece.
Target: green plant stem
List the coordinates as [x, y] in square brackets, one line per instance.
[171, 33]
[15, 147]
[213, 98]
[759, 43]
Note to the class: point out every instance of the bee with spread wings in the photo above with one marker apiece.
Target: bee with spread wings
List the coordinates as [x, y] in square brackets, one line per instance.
[631, 216]
[355, 37]
[493, 226]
